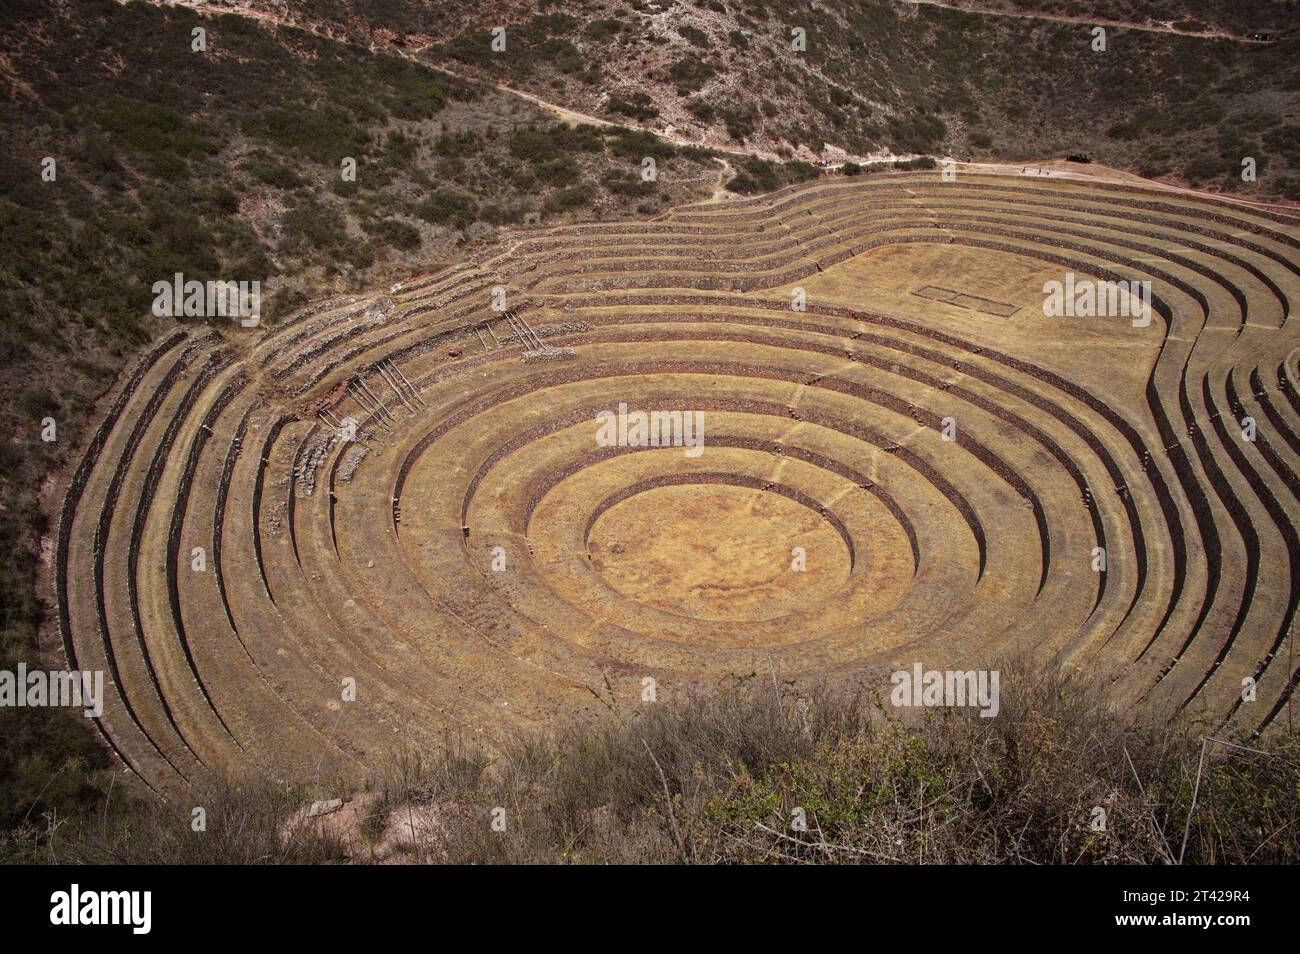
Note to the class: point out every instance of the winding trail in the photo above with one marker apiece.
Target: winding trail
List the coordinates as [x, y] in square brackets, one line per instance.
[1165, 27]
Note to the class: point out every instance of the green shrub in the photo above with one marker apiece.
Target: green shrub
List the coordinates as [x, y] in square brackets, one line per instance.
[638, 143]
[690, 74]
[533, 145]
[445, 207]
[603, 28]
[218, 200]
[153, 129]
[396, 233]
[701, 109]
[473, 47]
[561, 54]
[920, 162]
[314, 226]
[267, 169]
[557, 172]
[740, 122]
[799, 171]
[627, 183]
[462, 144]
[562, 200]
[400, 148]
[324, 134]
[638, 105]
[500, 214]
[553, 24]
[1203, 168]
[581, 138]
[1284, 138]
[917, 132]
[694, 36]
[410, 92]
[756, 175]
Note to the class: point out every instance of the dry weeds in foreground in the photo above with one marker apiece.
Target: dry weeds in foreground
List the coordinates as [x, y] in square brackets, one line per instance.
[719, 778]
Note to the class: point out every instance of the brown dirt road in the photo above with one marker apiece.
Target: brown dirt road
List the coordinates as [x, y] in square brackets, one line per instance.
[1165, 27]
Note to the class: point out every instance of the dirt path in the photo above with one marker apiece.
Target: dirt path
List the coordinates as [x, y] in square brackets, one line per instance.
[1166, 27]
[570, 116]
[720, 190]
[574, 117]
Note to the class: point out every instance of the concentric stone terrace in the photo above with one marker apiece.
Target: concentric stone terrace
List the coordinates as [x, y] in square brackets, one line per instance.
[919, 465]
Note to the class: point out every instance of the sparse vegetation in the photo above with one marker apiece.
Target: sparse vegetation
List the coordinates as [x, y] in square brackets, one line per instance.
[694, 36]
[637, 105]
[718, 778]
[879, 75]
[759, 175]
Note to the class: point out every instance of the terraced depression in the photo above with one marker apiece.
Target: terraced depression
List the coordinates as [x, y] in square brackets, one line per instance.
[390, 518]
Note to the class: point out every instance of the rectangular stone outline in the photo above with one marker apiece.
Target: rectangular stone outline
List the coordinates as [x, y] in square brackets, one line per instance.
[971, 302]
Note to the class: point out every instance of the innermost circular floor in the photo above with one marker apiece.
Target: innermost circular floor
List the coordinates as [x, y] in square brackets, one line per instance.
[718, 552]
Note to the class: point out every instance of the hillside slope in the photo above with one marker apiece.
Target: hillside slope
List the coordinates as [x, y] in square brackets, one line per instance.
[881, 76]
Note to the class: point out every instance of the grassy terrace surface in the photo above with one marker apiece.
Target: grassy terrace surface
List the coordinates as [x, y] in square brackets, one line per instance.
[373, 560]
